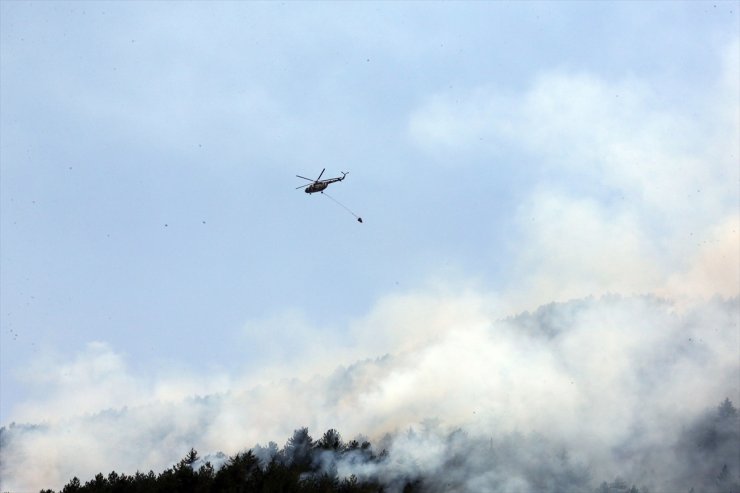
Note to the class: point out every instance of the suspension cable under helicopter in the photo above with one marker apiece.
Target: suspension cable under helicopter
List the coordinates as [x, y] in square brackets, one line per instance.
[359, 219]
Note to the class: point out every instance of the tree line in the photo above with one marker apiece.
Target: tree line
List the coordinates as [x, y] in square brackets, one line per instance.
[294, 468]
[706, 456]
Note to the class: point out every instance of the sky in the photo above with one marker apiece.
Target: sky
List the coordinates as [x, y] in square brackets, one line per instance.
[503, 156]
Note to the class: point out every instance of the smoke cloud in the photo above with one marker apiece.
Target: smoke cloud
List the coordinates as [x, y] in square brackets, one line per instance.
[597, 356]
[611, 382]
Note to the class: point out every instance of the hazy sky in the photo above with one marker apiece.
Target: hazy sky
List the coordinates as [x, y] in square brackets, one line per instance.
[510, 153]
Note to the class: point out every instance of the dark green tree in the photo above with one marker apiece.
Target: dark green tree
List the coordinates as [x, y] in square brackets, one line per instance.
[241, 473]
[73, 486]
[331, 440]
[297, 451]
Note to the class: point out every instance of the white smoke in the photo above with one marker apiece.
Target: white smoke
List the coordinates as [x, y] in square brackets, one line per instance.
[590, 375]
[607, 377]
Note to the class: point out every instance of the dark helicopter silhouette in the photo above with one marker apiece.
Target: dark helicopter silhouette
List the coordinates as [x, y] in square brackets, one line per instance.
[318, 185]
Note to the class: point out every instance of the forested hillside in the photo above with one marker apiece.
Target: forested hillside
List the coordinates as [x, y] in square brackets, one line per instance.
[705, 459]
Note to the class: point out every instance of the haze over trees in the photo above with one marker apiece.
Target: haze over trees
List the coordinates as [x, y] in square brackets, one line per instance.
[610, 395]
[706, 459]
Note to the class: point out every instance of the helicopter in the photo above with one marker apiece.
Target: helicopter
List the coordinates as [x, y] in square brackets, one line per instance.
[319, 185]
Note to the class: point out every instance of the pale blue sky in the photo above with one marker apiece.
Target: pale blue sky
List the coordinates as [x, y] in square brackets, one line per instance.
[148, 153]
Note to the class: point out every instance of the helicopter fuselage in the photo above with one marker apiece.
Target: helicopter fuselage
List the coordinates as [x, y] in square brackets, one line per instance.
[319, 185]
[316, 187]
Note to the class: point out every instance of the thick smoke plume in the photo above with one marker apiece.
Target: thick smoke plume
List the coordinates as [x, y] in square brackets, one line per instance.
[463, 393]
[570, 394]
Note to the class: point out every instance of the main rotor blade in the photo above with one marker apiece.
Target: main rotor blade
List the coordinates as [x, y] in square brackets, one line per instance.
[309, 179]
[322, 172]
[304, 186]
